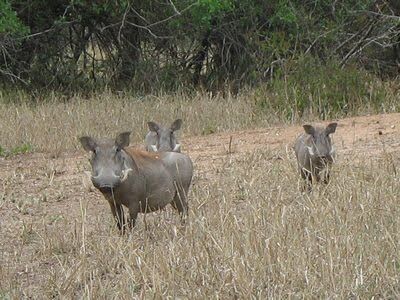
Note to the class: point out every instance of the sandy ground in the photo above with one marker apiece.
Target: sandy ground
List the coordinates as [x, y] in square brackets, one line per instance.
[38, 189]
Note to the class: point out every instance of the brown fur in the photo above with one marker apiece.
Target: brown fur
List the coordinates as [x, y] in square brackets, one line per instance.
[140, 154]
[141, 157]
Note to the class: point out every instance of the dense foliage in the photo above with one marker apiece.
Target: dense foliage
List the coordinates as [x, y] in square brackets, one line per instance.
[214, 44]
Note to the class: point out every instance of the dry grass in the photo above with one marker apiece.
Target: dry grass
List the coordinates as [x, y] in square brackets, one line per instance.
[251, 233]
[53, 126]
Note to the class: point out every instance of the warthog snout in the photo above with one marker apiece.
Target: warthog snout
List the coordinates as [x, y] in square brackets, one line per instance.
[109, 168]
[102, 181]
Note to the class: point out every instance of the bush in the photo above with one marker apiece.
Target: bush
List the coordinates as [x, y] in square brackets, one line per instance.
[310, 87]
[24, 148]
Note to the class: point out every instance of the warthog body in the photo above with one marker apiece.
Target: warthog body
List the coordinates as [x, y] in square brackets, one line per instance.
[163, 139]
[141, 181]
[315, 153]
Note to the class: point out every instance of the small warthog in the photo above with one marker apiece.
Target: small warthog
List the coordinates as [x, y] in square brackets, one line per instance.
[315, 153]
[163, 139]
[139, 180]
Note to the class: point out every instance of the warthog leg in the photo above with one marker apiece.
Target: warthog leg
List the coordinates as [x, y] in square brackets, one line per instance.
[118, 213]
[180, 202]
[133, 213]
[307, 176]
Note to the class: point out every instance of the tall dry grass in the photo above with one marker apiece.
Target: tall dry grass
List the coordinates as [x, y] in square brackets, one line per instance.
[251, 234]
[54, 123]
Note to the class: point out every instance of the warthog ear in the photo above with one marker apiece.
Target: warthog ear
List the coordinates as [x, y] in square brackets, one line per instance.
[122, 140]
[176, 125]
[309, 129]
[88, 143]
[331, 128]
[153, 126]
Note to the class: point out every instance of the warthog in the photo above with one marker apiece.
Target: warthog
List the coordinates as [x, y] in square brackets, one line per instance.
[139, 180]
[163, 139]
[315, 153]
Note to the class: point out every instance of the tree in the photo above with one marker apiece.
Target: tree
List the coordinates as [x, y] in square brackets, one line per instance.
[76, 44]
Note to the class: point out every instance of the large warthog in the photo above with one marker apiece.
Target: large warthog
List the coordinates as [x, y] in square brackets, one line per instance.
[315, 153]
[139, 180]
[163, 139]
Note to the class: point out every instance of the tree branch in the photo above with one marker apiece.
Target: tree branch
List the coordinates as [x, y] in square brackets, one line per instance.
[358, 44]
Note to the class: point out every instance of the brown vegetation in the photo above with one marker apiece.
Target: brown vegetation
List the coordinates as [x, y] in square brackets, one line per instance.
[250, 231]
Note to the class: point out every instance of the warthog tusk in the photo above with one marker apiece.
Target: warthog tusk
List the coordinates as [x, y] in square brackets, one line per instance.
[94, 177]
[177, 148]
[125, 174]
[154, 148]
[88, 174]
[333, 150]
[310, 150]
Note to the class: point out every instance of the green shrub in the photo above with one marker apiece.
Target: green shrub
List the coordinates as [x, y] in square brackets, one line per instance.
[24, 148]
[2, 151]
[309, 87]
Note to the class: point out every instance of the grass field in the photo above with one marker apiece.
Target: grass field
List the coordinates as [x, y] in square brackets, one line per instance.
[42, 125]
[251, 232]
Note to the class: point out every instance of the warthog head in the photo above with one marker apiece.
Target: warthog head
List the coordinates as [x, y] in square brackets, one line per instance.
[109, 162]
[166, 140]
[321, 144]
